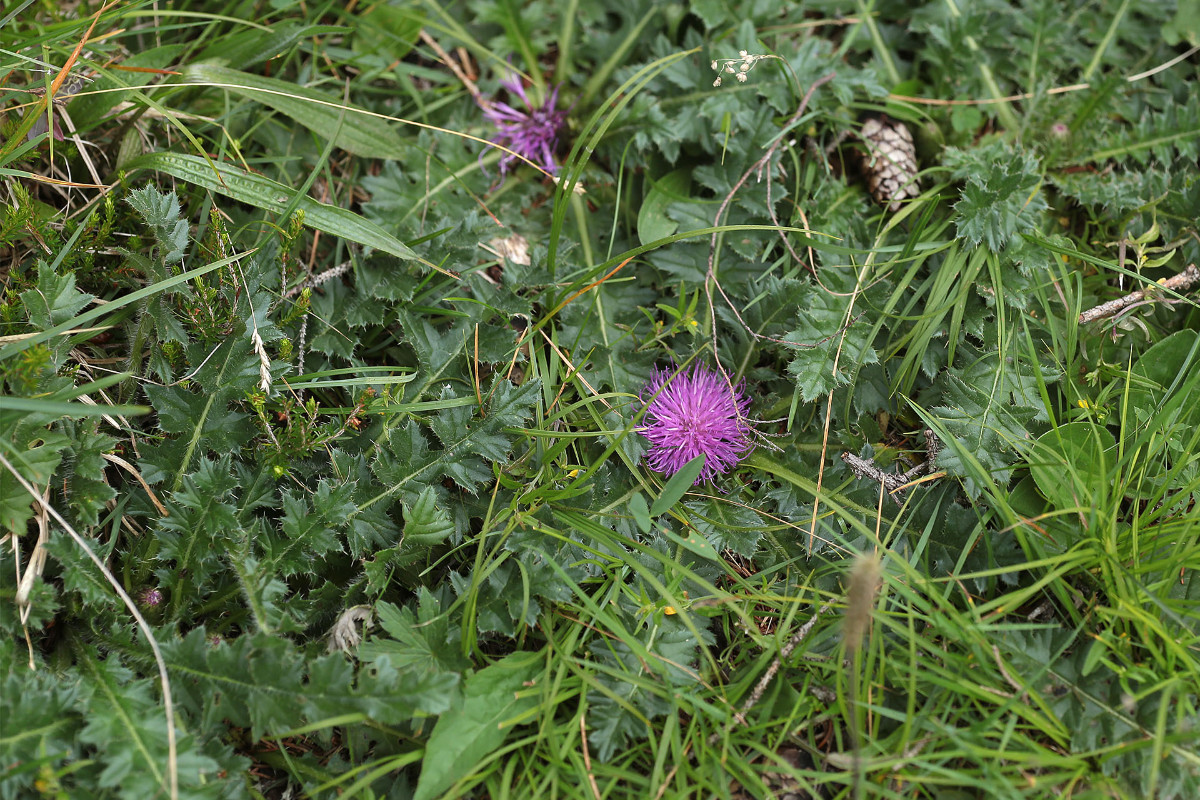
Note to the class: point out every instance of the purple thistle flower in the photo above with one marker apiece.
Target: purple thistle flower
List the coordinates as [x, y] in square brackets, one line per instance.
[695, 412]
[532, 131]
[150, 597]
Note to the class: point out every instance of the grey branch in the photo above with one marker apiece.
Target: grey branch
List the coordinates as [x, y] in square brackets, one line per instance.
[317, 280]
[1176, 283]
[894, 483]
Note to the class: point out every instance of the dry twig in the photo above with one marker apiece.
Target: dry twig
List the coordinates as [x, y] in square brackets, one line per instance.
[896, 483]
[1178, 283]
[445, 58]
[765, 681]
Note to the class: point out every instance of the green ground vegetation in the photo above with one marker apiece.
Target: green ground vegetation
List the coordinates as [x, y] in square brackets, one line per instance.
[320, 471]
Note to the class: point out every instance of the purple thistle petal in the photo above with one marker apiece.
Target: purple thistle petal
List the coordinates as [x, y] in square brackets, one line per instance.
[532, 132]
[691, 414]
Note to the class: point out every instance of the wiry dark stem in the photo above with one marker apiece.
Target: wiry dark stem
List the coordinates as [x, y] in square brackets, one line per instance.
[710, 279]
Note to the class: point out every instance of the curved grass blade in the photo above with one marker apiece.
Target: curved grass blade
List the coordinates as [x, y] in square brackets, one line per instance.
[366, 136]
[262, 192]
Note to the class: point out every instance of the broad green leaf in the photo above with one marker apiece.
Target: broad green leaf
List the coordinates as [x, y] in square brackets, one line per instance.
[88, 490]
[264, 193]
[1164, 379]
[266, 683]
[694, 541]
[677, 486]
[494, 699]
[351, 128]
[1185, 26]
[421, 641]
[727, 525]
[125, 712]
[1002, 195]
[201, 413]
[640, 511]
[1072, 462]
[55, 299]
[162, 214]
[653, 222]
[309, 527]
[36, 464]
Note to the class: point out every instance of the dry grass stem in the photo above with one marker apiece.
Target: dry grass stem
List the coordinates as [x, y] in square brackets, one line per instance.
[445, 58]
[587, 757]
[125, 465]
[1075, 87]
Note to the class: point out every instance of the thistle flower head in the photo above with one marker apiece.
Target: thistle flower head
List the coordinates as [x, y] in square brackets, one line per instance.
[150, 597]
[696, 412]
[531, 131]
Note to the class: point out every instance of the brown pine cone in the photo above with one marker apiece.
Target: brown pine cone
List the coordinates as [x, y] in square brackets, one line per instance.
[890, 163]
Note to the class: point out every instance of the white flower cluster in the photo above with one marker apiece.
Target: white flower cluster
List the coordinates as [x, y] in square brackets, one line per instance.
[736, 66]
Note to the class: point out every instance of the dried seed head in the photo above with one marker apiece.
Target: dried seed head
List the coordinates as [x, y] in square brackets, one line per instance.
[737, 66]
[345, 634]
[860, 599]
[515, 248]
[264, 362]
[890, 164]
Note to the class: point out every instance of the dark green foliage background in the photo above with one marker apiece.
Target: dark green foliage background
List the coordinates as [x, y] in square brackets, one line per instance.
[482, 496]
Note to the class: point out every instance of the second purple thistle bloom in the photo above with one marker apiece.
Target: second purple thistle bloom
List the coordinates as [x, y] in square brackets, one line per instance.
[695, 413]
[531, 131]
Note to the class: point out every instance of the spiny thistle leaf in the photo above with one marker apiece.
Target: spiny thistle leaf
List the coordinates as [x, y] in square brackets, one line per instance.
[1002, 196]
